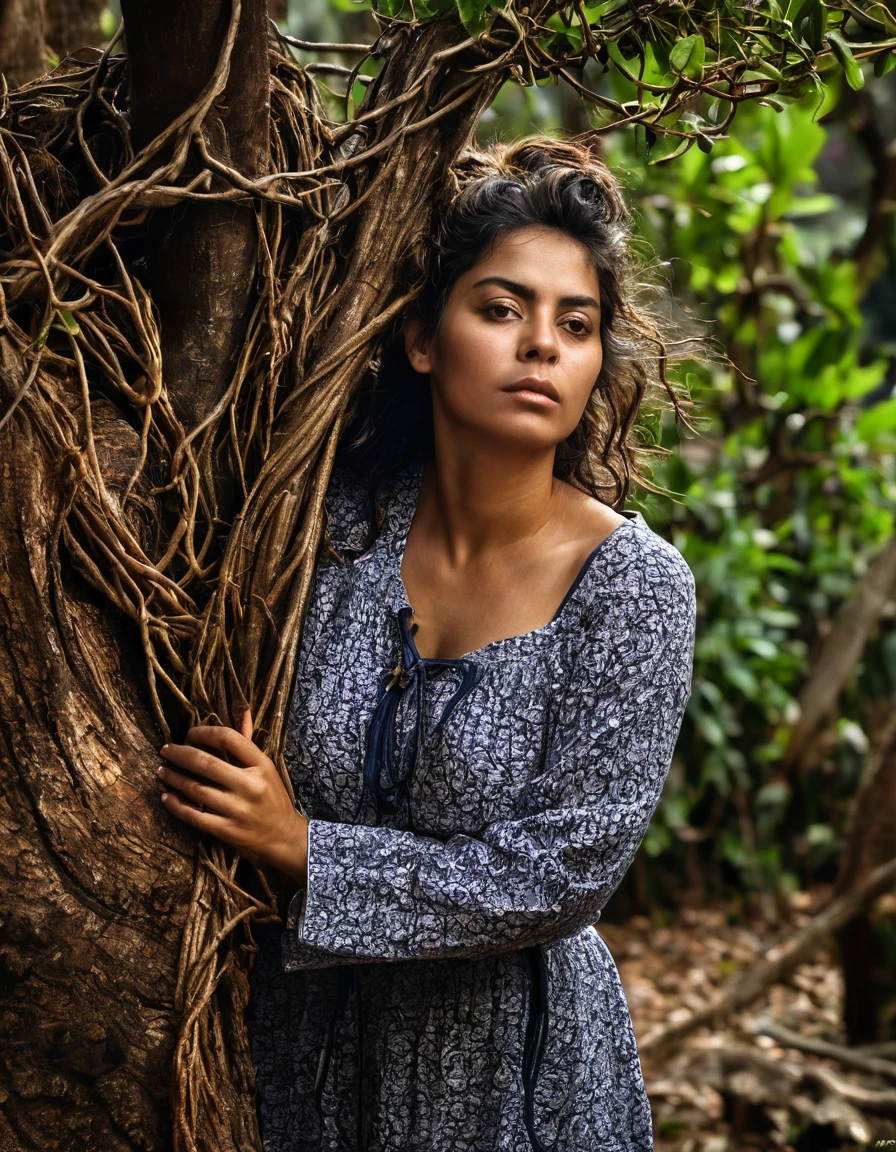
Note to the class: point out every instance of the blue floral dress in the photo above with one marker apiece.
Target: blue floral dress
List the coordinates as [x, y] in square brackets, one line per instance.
[439, 986]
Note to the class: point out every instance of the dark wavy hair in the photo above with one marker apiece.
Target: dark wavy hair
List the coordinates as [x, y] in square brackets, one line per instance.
[543, 182]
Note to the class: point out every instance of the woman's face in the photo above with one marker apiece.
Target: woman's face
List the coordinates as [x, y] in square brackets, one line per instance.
[527, 311]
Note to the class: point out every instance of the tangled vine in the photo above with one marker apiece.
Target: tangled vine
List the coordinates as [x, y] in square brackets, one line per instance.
[215, 575]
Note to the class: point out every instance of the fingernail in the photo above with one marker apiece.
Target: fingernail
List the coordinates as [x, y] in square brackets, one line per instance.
[164, 746]
[160, 770]
[164, 795]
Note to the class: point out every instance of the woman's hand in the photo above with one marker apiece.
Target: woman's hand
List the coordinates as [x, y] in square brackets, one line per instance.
[244, 804]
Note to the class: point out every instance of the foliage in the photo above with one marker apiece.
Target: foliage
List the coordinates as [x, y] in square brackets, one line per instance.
[686, 67]
[781, 508]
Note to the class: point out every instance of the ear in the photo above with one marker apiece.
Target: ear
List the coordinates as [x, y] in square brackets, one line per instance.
[416, 346]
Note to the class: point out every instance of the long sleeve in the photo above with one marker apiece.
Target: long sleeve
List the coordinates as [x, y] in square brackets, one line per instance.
[381, 894]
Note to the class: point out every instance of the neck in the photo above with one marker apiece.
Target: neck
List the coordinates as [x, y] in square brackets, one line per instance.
[475, 501]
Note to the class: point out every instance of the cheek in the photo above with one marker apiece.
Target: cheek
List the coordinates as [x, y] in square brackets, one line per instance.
[587, 374]
[470, 359]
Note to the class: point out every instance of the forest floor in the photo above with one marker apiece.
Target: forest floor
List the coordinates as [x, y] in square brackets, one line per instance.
[734, 1089]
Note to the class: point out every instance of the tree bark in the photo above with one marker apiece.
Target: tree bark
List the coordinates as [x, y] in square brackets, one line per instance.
[201, 256]
[23, 50]
[71, 26]
[30, 30]
[95, 877]
[868, 983]
[841, 651]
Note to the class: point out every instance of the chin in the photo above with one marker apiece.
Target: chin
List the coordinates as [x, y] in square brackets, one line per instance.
[526, 439]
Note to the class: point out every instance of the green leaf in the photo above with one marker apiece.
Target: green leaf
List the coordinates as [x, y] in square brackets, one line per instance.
[848, 62]
[627, 67]
[810, 22]
[687, 57]
[595, 13]
[71, 324]
[571, 32]
[43, 334]
[474, 15]
[769, 70]
[108, 24]
[884, 62]
[763, 648]
[743, 679]
[877, 420]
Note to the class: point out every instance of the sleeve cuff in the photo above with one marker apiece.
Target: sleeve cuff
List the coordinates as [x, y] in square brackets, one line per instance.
[348, 913]
[298, 951]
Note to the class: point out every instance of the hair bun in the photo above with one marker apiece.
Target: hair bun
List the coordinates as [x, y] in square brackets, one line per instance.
[577, 158]
[536, 153]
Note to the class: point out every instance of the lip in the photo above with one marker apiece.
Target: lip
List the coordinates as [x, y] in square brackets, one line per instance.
[534, 386]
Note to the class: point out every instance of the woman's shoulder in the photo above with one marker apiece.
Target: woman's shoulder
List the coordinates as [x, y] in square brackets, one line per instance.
[355, 508]
[635, 553]
[664, 564]
[347, 505]
[644, 569]
[637, 624]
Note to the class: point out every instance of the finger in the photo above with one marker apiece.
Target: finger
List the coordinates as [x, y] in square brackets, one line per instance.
[246, 725]
[226, 740]
[202, 821]
[202, 795]
[203, 764]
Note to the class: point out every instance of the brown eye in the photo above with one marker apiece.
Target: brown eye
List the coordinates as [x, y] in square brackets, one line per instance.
[582, 330]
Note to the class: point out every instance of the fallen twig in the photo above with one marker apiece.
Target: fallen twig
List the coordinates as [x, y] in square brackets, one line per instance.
[789, 1039]
[744, 989]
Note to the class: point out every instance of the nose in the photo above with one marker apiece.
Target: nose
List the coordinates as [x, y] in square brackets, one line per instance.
[539, 340]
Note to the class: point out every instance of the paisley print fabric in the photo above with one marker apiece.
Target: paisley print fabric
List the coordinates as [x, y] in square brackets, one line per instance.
[440, 986]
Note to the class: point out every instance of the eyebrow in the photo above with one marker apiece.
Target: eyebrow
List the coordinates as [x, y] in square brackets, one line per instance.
[528, 293]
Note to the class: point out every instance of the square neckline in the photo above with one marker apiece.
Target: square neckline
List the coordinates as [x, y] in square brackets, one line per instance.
[409, 495]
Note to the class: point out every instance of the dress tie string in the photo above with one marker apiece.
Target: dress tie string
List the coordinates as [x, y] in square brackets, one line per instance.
[536, 1034]
[383, 784]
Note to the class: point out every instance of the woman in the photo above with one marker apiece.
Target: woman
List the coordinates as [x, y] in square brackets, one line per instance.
[489, 690]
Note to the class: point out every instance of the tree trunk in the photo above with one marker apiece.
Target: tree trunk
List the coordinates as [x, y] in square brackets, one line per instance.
[23, 50]
[115, 962]
[868, 982]
[71, 26]
[201, 256]
[32, 30]
[95, 878]
[93, 936]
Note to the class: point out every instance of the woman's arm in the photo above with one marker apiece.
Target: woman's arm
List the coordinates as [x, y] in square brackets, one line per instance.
[247, 805]
[382, 894]
[244, 804]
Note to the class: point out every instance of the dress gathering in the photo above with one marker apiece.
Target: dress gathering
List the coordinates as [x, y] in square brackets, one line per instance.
[439, 984]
